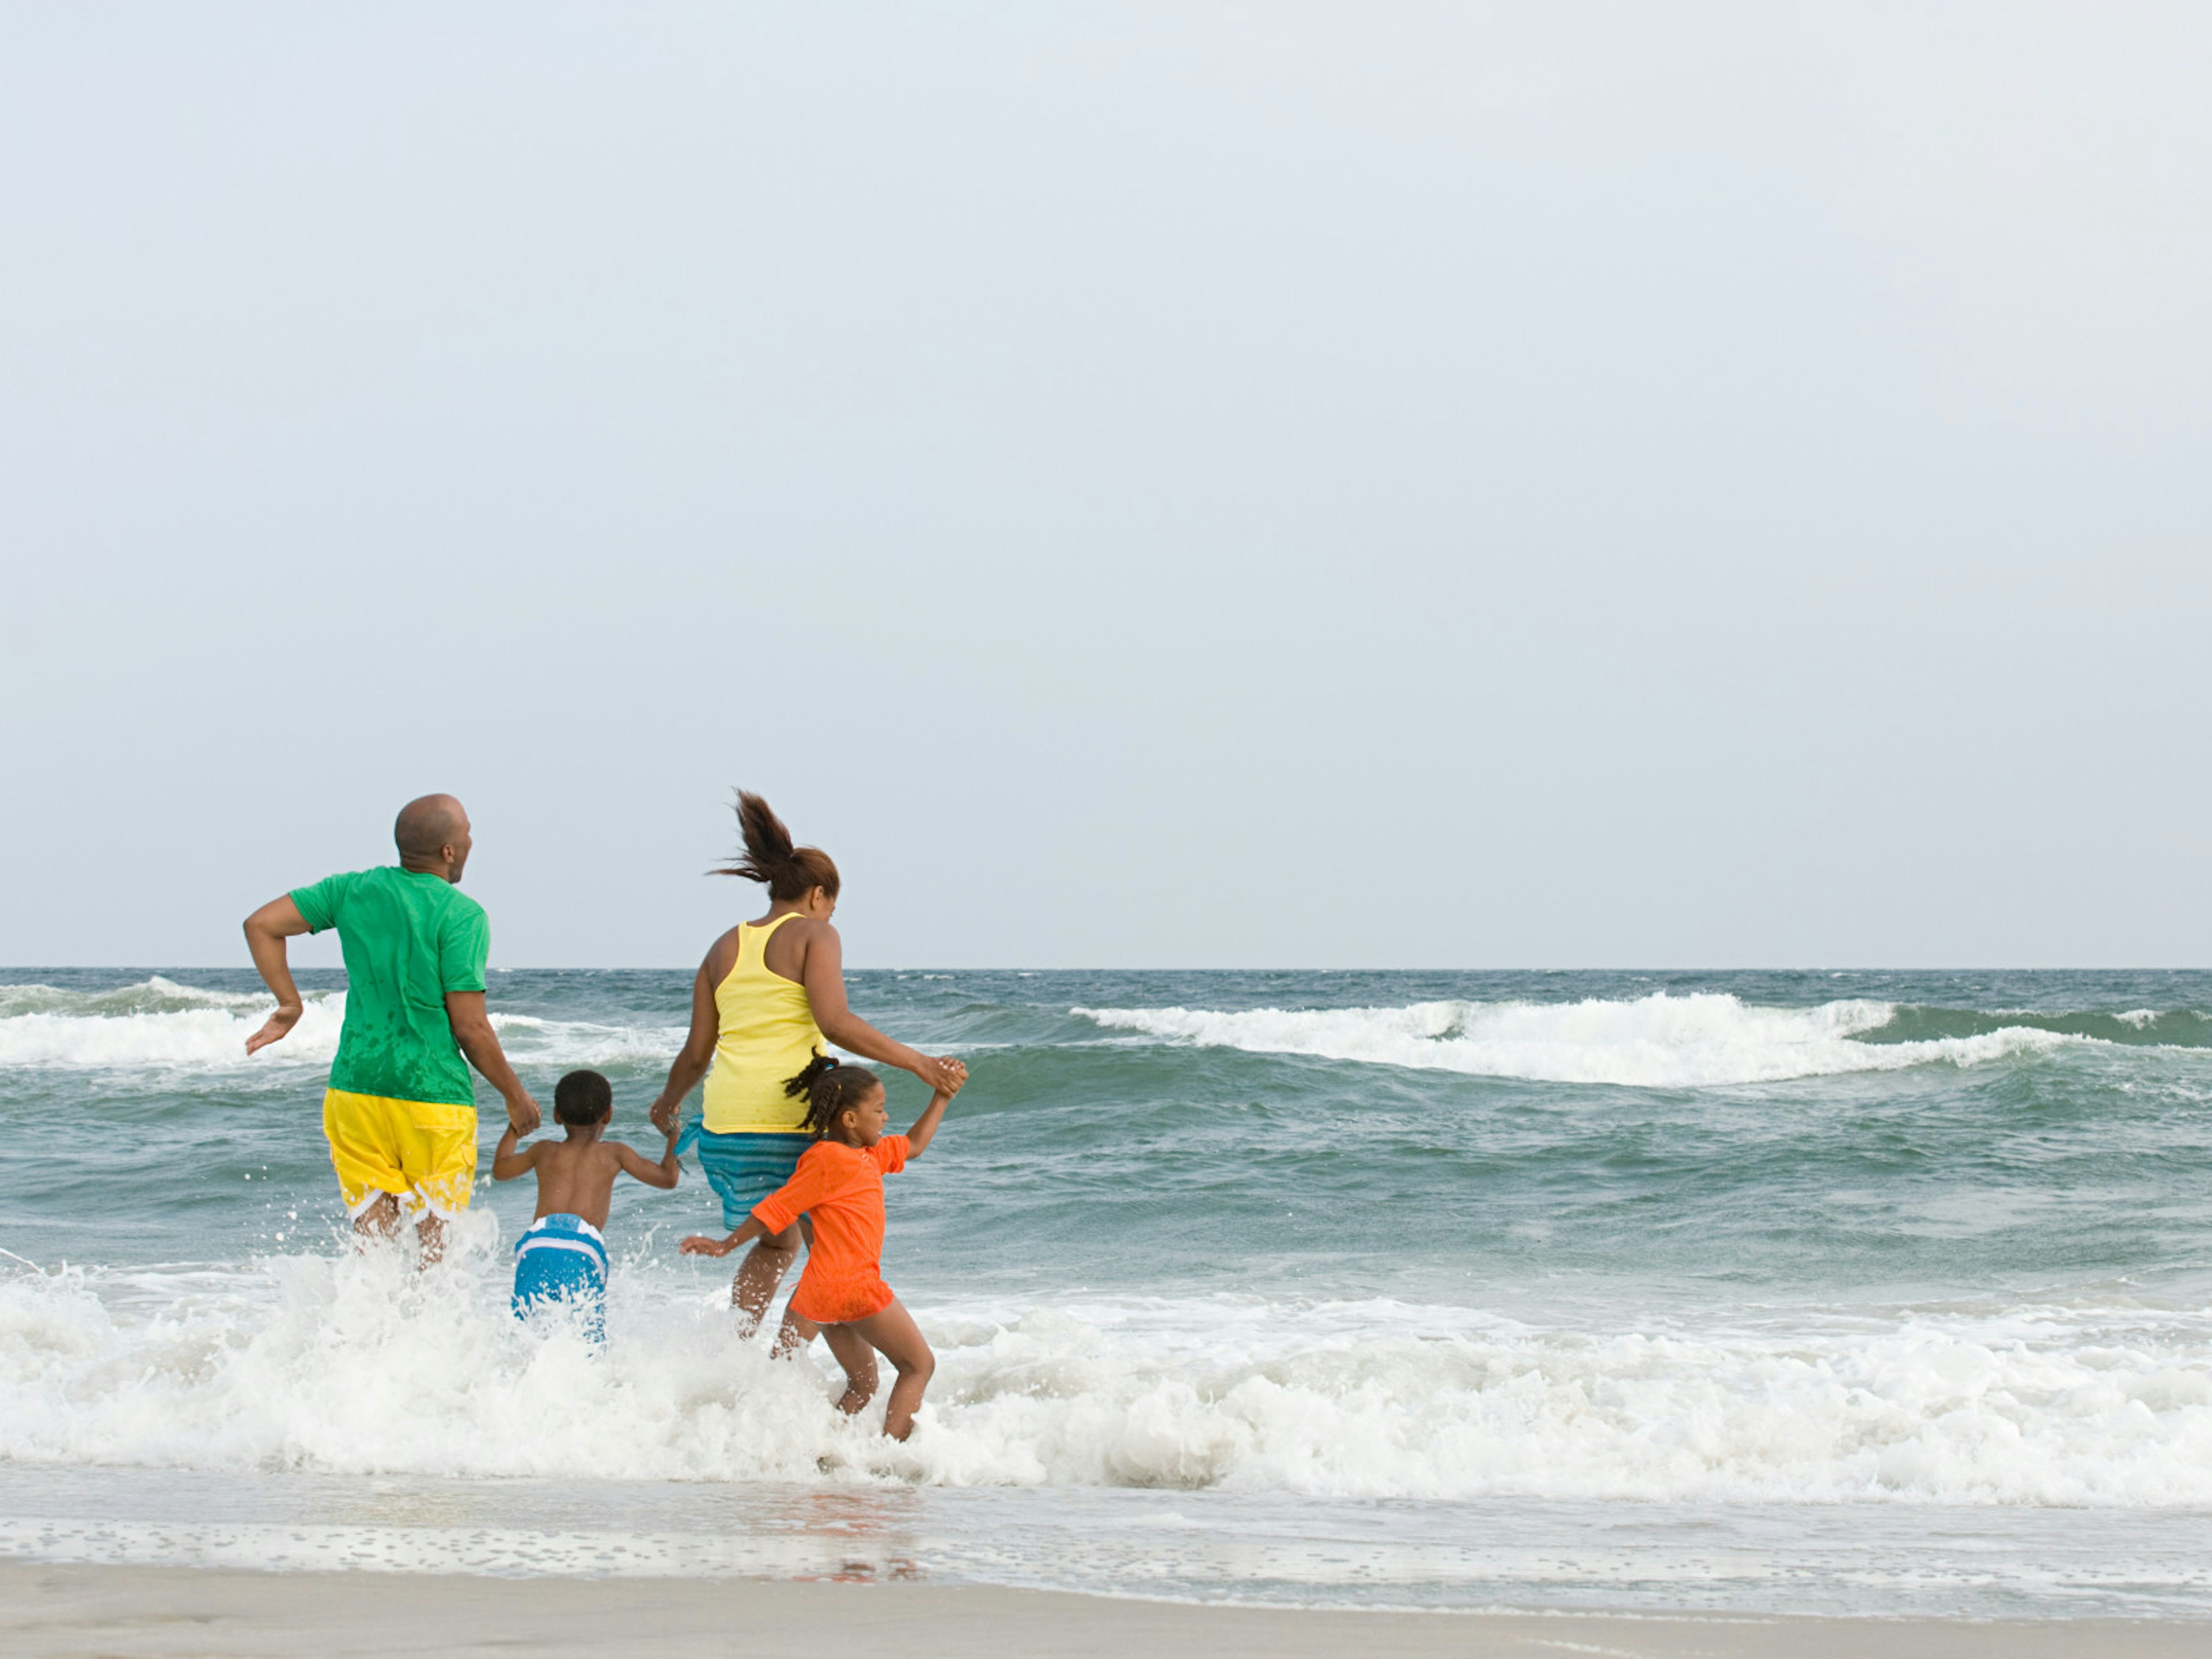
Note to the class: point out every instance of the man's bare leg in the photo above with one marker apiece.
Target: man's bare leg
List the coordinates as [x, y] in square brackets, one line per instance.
[894, 1334]
[379, 1222]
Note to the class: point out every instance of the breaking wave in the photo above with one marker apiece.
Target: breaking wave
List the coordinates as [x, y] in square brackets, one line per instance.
[351, 1365]
[159, 1024]
[1707, 1039]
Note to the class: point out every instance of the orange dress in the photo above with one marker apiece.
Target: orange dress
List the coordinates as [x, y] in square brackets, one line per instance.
[841, 1187]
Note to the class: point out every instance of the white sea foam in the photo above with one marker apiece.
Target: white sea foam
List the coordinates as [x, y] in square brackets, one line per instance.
[197, 1032]
[1702, 1039]
[353, 1366]
[158, 1024]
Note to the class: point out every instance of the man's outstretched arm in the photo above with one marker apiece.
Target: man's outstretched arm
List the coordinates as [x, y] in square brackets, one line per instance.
[472, 1031]
[267, 930]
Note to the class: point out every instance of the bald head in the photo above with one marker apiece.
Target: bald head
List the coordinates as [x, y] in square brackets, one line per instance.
[432, 833]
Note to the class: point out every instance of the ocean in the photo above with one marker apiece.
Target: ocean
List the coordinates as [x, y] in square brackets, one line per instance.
[1856, 1293]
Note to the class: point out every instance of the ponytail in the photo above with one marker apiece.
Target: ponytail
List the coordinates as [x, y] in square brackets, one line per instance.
[790, 872]
[828, 1086]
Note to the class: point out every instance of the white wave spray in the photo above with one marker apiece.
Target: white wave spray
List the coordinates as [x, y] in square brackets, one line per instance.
[1702, 1040]
[159, 1024]
[352, 1366]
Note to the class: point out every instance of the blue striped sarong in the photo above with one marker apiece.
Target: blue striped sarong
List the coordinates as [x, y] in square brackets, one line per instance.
[561, 1259]
[744, 1168]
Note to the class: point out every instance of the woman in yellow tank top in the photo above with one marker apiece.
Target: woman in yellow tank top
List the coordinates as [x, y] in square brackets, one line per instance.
[769, 997]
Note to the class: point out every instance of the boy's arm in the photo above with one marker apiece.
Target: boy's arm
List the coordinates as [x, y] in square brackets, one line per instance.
[663, 1175]
[506, 1162]
[699, 1244]
[924, 1126]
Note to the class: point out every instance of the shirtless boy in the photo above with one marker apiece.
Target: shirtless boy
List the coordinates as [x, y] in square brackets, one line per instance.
[563, 1257]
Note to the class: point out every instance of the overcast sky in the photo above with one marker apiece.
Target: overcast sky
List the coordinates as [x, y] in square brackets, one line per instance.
[1312, 485]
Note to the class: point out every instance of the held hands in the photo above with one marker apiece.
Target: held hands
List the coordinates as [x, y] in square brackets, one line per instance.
[665, 1118]
[700, 1245]
[945, 1074]
[522, 1112]
[276, 1025]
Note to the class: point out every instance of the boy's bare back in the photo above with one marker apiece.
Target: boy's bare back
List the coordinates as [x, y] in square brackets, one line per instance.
[576, 1176]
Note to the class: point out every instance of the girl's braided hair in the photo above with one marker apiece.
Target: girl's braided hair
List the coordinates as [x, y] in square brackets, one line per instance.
[829, 1087]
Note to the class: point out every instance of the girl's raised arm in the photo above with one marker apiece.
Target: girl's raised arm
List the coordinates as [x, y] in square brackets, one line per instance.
[924, 1126]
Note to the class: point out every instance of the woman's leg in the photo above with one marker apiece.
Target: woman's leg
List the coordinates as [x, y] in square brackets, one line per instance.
[858, 1360]
[760, 1272]
[895, 1335]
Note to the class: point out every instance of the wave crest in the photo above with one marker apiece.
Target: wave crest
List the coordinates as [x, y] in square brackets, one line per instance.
[159, 1024]
[1704, 1040]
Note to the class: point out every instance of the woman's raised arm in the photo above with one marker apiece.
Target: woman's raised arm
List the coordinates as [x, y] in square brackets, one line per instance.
[824, 979]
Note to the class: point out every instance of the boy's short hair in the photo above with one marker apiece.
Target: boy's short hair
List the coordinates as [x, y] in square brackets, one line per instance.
[582, 1099]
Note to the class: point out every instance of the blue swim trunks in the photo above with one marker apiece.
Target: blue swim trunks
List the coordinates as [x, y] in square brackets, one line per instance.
[744, 1168]
[562, 1259]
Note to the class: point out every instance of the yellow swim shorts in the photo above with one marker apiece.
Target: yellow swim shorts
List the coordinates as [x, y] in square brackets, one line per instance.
[423, 1152]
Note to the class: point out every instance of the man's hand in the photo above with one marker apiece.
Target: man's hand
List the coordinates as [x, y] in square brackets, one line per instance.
[522, 1112]
[276, 1025]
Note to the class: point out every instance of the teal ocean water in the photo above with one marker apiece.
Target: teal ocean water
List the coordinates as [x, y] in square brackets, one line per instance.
[1866, 1291]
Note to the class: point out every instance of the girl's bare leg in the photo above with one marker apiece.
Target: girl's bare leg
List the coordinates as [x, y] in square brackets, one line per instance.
[858, 1360]
[758, 1275]
[795, 1333]
[894, 1334]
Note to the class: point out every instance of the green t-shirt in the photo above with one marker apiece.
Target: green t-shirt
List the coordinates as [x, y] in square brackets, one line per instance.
[408, 936]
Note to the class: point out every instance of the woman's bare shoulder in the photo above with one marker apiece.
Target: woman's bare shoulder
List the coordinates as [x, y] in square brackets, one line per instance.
[721, 957]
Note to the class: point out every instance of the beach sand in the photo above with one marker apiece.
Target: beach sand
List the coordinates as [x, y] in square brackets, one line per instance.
[124, 1612]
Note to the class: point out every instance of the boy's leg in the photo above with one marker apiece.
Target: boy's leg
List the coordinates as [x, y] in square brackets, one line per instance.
[858, 1360]
[430, 1233]
[899, 1339]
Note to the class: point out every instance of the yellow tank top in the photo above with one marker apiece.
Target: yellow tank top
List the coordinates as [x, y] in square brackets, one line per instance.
[767, 1033]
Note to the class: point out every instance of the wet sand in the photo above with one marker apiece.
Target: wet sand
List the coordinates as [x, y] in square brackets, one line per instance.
[154, 1612]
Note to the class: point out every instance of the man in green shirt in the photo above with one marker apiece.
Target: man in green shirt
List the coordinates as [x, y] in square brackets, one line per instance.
[400, 1111]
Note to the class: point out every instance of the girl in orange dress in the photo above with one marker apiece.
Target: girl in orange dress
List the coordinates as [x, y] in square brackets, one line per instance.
[839, 1181]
